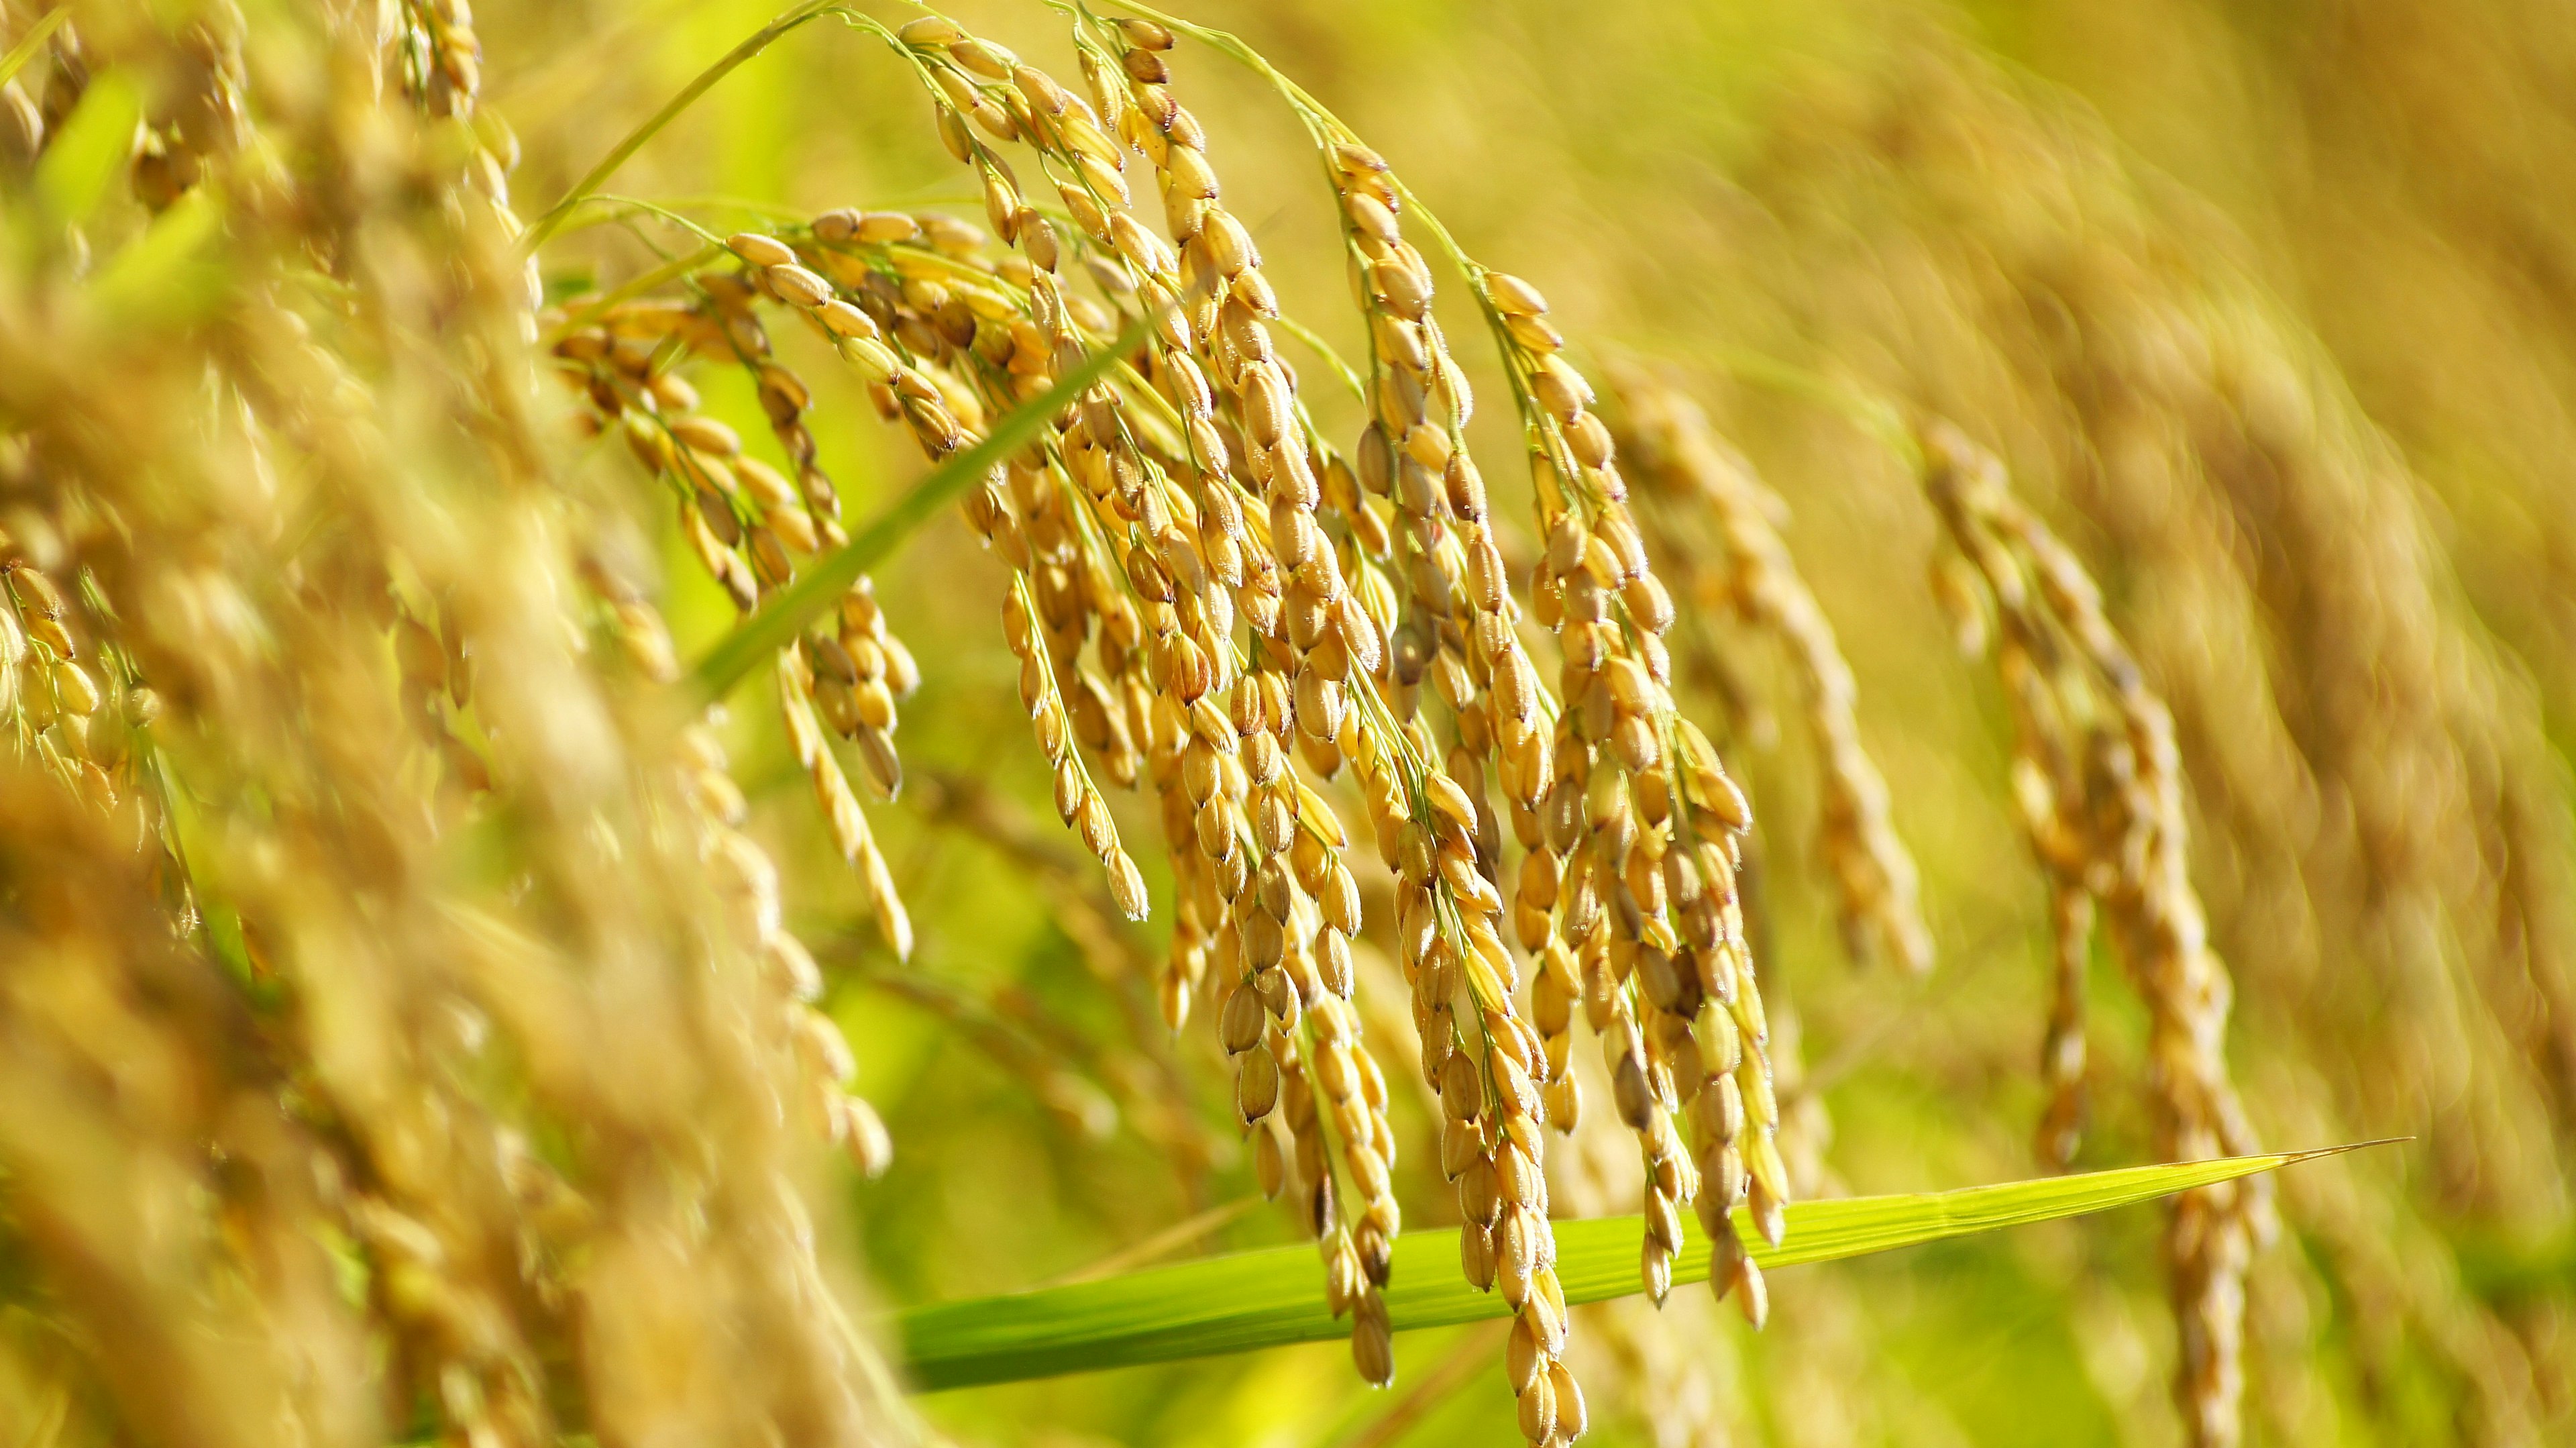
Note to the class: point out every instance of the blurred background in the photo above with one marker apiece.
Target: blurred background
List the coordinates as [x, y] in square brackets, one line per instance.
[2270, 307]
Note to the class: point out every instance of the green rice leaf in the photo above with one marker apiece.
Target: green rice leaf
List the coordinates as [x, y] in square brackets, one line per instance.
[1272, 1297]
[166, 276]
[91, 151]
[25, 50]
[821, 586]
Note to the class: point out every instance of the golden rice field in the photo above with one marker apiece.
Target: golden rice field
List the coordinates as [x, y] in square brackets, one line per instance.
[1668, 722]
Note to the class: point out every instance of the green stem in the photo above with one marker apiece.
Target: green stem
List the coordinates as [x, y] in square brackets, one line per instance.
[1324, 350]
[758, 41]
[669, 271]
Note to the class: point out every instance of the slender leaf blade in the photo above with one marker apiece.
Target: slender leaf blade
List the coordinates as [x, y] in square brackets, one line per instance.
[25, 50]
[821, 586]
[90, 151]
[1272, 1297]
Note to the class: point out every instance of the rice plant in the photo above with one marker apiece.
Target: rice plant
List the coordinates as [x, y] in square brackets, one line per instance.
[1965, 674]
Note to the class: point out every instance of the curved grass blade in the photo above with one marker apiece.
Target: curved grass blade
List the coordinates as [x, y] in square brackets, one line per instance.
[25, 50]
[758, 41]
[821, 586]
[1268, 1298]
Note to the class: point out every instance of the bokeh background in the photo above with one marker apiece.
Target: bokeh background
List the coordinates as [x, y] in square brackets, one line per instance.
[2270, 308]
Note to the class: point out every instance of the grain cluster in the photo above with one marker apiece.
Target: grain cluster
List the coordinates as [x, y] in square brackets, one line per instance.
[403, 1034]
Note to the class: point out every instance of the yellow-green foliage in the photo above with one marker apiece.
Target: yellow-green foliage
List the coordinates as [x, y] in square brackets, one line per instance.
[1669, 617]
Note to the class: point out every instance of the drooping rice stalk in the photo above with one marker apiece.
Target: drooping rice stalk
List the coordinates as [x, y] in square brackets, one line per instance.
[413, 1016]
